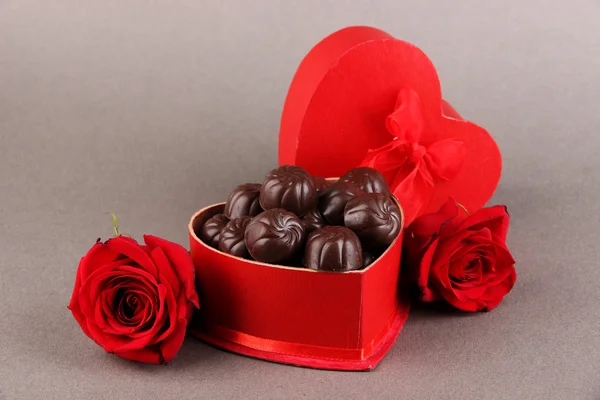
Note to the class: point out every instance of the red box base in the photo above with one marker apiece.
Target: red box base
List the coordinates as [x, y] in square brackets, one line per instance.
[366, 364]
[326, 320]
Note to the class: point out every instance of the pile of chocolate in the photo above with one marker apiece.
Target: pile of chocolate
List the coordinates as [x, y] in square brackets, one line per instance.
[303, 221]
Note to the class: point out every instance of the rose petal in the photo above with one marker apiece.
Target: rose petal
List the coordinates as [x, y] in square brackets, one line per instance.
[135, 322]
[428, 292]
[171, 345]
[189, 312]
[464, 305]
[459, 261]
[496, 219]
[147, 293]
[146, 355]
[171, 309]
[450, 227]
[182, 307]
[90, 290]
[98, 256]
[74, 303]
[491, 297]
[166, 269]
[472, 293]
[182, 264]
[145, 322]
[105, 340]
[503, 256]
[103, 308]
[449, 245]
[132, 250]
[133, 271]
[463, 250]
[446, 290]
[142, 341]
[428, 225]
[495, 294]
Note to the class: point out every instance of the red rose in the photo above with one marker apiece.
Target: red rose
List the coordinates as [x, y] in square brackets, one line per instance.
[459, 258]
[135, 300]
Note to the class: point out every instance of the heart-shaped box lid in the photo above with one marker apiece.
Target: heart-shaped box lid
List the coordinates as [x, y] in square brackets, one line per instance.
[362, 97]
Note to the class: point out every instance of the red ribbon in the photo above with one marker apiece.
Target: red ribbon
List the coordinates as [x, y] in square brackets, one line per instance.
[411, 167]
[295, 349]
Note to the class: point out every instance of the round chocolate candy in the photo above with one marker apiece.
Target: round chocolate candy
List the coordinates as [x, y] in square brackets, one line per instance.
[333, 248]
[313, 221]
[231, 240]
[369, 180]
[333, 200]
[374, 217]
[210, 232]
[290, 188]
[243, 201]
[321, 183]
[274, 236]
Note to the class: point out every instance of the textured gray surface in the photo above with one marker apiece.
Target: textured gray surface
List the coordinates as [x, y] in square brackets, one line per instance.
[155, 109]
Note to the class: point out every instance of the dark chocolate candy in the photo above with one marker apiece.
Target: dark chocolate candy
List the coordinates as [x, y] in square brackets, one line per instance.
[321, 183]
[333, 248]
[296, 261]
[243, 201]
[313, 221]
[374, 217]
[210, 232]
[274, 236]
[290, 188]
[231, 240]
[333, 200]
[369, 180]
[368, 259]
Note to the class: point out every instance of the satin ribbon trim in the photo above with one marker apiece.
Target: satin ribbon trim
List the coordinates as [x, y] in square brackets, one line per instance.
[297, 349]
[410, 167]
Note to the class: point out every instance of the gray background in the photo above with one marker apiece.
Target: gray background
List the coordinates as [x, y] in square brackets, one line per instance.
[155, 109]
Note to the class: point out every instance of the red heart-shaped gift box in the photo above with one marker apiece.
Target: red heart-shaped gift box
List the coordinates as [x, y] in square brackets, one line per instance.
[330, 320]
[359, 97]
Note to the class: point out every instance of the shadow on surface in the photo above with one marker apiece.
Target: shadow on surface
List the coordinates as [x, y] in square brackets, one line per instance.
[436, 310]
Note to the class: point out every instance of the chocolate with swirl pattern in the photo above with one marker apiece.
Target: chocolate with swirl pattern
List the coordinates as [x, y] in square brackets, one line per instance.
[274, 236]
[374, 217]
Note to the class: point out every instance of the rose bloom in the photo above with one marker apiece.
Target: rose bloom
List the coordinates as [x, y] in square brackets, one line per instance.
[135, 300]
[461, 258]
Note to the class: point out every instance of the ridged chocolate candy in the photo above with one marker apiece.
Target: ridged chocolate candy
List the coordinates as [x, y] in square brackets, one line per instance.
[369, 180]
[243, 201]
[374, 217]
[274, 236]
[290, 188]
[231, 240]
[333, 248]
[332, 201]
[210, 232]
[313, 220]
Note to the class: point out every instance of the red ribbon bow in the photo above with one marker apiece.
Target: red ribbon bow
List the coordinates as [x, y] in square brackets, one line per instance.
[410, 165]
